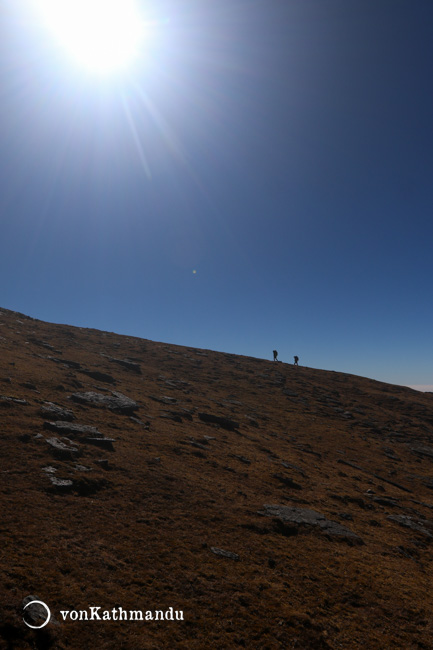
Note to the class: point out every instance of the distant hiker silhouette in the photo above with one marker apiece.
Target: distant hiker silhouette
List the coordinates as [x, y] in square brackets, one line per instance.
[296, 360]
[275, 355]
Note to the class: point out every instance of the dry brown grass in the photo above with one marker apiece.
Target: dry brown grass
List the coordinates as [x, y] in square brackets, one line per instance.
[139, 534]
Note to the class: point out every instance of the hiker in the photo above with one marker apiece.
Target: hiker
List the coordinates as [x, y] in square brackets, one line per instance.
[275, 355]
[296, 360]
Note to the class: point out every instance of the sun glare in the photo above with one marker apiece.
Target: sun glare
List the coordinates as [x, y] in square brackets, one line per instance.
[101, 35]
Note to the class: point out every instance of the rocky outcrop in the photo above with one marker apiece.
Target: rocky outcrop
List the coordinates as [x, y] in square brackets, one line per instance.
[116, 402]
[52, 410]
[292, 521]
[72, 429]
[414, 524]
[63, 449]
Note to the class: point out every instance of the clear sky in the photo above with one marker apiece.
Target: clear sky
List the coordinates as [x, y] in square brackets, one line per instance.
[260, 177]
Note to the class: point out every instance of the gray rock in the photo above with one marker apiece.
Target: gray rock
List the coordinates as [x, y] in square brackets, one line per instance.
[422, 450]
[66, 362]
[199, 445]
[104, 443]
[82, 468]
[223, 422]
[146, 425]
[60, 413]
[222, 553]
[126, 363]
[164, 399]
[62, 485]
[413, 524]
[61, 449]
[73, 429]
[7, 401]
[49, 469]
[42, 344]
[116, 402]
[291, 521]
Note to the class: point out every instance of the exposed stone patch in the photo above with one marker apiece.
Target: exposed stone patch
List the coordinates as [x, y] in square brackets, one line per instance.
[42, 344]
[116, 402]
[223, 422]
[414, 524]
[73, 429]
[198, 445]
[298, 518]
[146, 424]
[60, 413]
[60, 484]
[174, 383]
[49, 469]
[422, 450]
[7, 401]
[227, 554]
[66, 362]
[164, 399]
[61, 449]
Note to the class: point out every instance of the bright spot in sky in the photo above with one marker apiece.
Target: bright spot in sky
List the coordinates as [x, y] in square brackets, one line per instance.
[102, 35]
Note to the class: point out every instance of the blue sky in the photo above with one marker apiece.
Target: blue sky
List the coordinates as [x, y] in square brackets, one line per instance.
[259, 178]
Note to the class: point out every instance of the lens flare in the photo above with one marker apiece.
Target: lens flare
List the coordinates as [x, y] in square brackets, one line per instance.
[101, 35]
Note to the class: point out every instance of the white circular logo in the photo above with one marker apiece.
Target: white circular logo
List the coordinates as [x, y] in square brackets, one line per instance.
[38, 602]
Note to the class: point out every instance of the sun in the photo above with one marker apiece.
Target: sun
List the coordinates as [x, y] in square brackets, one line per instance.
[101, 35]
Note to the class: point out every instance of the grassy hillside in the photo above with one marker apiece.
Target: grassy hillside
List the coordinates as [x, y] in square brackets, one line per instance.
[274, 506]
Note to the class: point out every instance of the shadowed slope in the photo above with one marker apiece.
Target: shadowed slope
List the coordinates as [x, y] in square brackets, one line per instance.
[276, 506]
